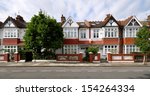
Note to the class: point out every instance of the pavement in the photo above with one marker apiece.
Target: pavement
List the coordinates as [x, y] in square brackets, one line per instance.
[70, 64]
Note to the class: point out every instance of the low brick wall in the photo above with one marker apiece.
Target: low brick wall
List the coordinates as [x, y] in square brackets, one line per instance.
[69, 57]
[4, 57]
[126, 57]
[120, 57]
[94, 57]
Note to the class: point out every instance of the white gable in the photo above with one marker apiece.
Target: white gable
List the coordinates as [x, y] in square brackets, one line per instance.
[134, 22]
[70, 23]
[111, 23]
[9, 24]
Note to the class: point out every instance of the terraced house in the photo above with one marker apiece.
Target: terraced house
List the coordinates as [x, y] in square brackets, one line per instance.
[11, 36]
[110, 35]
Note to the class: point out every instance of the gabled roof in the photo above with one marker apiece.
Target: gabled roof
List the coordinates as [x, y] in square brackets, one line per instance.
[72, 22]
[125, 22]
[109, 17]
[18, 22]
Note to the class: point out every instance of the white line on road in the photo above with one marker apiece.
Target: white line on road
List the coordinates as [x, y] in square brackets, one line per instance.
[137, 70]
[123, 71]
[60, 70]
[76, 70]
[92, 71]
[30, 70]
[45, 70]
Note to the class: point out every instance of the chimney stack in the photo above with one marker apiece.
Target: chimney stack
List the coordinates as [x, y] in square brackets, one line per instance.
[63, 19]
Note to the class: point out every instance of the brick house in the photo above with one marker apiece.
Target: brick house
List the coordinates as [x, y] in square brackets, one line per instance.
[11, 34]
[110, 35]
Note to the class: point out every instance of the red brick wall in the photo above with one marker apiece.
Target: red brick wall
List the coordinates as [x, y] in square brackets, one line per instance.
[128, 40]
[71, 41]
[10, 41]
[110, 41]
[66, 57]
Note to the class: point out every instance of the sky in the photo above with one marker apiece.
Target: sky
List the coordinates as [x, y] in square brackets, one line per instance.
[80, 10]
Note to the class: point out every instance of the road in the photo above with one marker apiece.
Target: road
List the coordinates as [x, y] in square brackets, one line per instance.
[75, 72]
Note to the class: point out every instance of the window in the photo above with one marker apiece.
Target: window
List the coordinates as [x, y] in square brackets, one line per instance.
[110, 48]
[131, 48]
[96, 33]
[70, 32]
[83, 33]
[10, 33]
[111, 32]
[131, 31]
[70, 49]
[10, 49]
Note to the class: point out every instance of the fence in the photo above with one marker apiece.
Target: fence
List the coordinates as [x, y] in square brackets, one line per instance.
[69, 57]
[126, 57]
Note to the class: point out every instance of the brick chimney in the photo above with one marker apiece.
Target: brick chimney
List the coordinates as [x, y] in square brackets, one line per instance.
[63, 19]
[20, 18]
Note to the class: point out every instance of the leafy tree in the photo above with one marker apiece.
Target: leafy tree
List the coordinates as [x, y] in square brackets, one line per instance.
[43, 33]
[93, 49]
[143, 41]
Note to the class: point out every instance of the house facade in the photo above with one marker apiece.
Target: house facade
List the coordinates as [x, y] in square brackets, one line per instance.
[11, 34]
[109, 35]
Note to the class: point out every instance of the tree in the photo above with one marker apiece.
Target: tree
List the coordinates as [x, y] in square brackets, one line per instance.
[93, 49]
[143, 41]
[43, 33]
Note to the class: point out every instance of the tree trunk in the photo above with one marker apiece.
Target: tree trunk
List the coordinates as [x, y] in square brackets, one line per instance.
[144, 59]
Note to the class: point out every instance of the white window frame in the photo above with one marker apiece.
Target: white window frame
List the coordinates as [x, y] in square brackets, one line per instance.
[70, 32]
[11, 48]
[10, 33]
[96, 33]
[131, 31]
[110, 48]
[111, 32]
[131, 48]
[83, 34]
[70, 49]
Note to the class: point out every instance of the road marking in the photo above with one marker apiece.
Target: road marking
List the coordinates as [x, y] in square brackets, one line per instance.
[60, 70]
[137, 70]
[123, 70]
[30, 70]
[91, 71]
[45, 70]
[107, 71]
[76, 70]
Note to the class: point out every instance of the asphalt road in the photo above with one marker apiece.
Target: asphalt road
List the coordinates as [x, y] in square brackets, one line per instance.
[74, 72]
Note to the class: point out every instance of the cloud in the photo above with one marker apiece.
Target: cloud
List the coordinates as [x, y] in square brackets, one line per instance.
[78, 9]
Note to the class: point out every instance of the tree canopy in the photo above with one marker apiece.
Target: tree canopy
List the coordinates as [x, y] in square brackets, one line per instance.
[143, 39]
[43, 32]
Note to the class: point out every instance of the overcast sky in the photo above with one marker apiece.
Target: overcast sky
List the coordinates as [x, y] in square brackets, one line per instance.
[80, 10]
